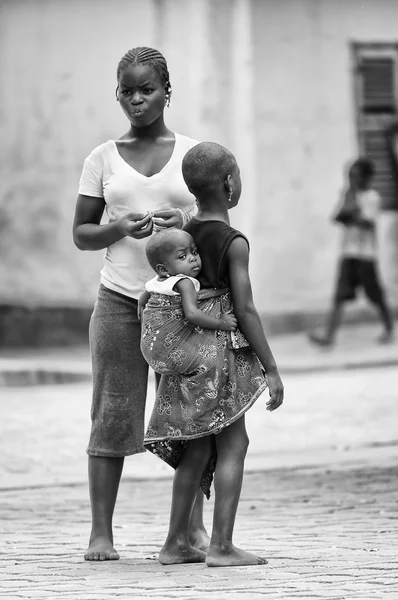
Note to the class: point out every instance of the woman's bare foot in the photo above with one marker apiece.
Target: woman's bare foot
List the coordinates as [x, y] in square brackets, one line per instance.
[231, 556]
[174, 553]
[199, 539]
[101, 548]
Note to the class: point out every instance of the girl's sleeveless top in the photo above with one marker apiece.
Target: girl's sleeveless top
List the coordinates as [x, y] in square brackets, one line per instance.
[212, 239]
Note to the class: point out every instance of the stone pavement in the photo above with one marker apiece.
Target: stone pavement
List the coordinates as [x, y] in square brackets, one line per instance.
[327, 534]
[319, 498]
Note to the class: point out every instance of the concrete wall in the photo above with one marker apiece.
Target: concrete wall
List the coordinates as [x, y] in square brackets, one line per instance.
[306, 133]
[271, 79]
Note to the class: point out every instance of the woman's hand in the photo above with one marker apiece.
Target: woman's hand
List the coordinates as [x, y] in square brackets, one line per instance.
[169, 217]
[135, 225]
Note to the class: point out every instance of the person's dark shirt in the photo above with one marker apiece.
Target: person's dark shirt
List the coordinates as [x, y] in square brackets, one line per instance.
[212, 239]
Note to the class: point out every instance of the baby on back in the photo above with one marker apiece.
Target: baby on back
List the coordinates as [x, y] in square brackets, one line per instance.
[173, 325]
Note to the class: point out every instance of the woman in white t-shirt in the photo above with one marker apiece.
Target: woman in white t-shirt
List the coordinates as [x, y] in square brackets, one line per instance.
[137, 180]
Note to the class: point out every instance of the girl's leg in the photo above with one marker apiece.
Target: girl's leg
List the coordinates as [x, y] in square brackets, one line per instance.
[232, 445]
[177, 547]
[198, 536]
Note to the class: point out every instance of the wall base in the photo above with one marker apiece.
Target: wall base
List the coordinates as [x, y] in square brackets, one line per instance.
[22, 327]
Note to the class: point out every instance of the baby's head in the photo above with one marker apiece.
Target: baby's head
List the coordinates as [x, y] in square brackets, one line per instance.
[361, 173]
[173, 252]
[209, 168]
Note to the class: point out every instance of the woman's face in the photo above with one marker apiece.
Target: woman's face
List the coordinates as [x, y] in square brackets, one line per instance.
[141, 94]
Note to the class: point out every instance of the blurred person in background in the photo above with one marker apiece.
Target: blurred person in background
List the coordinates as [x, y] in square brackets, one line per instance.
[357, 213]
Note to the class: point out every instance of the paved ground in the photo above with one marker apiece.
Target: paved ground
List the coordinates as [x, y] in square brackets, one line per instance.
[319, 498]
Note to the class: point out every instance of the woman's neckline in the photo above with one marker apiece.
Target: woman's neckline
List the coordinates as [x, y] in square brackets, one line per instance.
[154, 175]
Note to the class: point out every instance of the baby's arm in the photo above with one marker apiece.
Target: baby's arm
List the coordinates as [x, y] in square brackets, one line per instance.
[185, 287]
[249, 319]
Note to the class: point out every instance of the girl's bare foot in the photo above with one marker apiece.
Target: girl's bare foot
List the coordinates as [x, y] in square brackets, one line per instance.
[231, 556]
[199, 539]
[177, 553]
[101, 548]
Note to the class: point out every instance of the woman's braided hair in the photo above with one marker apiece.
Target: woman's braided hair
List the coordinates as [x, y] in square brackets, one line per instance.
[148, 56]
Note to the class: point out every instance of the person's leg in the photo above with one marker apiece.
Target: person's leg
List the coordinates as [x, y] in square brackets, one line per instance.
[118, 410]
[232, 445]
[374, 291]
[345, 290]
[177, 547]
[104, 477]
[387, 335]
[332, 324]
[198, 535]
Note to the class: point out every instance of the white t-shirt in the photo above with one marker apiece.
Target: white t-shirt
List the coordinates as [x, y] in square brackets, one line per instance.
[107, 175]
[357, 241]
[165, 286]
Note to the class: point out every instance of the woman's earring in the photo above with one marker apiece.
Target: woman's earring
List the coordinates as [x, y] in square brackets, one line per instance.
[230, 195]
[167, 96]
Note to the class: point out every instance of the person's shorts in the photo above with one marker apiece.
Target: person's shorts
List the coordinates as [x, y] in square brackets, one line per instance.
[120, 376]
[355, 274]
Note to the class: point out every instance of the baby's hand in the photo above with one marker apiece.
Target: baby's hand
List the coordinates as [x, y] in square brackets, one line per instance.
[228, 322]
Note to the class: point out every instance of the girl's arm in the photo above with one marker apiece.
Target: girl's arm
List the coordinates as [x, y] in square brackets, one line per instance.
[249, 319]
[89, 234]
[226, 322]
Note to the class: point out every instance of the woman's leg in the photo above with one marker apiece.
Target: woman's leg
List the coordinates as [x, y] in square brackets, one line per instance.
[118, 410]
[232, 444]
[104, 477]
[177, 547]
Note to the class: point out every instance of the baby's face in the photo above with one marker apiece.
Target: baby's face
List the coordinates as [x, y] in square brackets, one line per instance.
[183, 258]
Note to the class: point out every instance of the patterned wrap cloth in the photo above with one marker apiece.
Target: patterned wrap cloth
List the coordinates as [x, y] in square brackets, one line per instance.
[208, 380]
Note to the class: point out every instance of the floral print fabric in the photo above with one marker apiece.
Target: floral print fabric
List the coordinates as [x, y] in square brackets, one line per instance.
[207, 381]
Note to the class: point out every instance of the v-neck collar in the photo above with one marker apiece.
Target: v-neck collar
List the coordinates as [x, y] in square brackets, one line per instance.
[155, 175]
